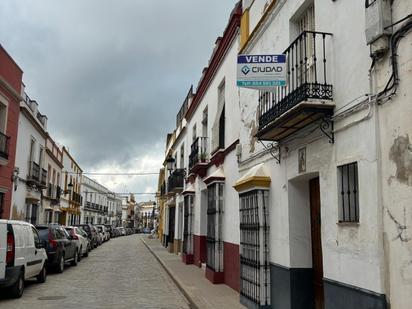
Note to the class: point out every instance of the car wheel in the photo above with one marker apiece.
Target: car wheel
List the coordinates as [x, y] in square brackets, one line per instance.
[41, 278]
[60, 265]
[16, 291]
[79, 255]
[74, 262]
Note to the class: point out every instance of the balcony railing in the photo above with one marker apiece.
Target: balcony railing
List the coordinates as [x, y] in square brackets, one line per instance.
[176, 180]
[4, 146]
[306, 78]
[50, 190]
[43, 177]
[198, 151]
[34, 172]
[58, 192]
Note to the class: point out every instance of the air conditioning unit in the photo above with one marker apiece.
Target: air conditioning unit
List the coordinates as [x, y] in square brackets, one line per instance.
[377, 18]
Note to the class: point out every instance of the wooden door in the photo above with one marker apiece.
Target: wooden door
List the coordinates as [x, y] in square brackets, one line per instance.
[171, 224]
[317, 262]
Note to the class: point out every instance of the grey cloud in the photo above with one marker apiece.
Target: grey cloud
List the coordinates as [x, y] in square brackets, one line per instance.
[109, 74]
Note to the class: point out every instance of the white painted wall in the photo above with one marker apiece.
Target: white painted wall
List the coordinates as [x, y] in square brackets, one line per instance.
[395, 151]
[226, 73]
[347, 250]
[26, 131]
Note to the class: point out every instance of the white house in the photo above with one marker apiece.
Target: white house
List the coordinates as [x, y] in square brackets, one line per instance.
[323, 160]
[201, 220]
[30, 164]
[95, 202]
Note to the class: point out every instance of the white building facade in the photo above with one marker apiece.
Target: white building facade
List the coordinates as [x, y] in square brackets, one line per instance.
[96, 197]
[327, 209]
[300, 197]
[201, 218]
[30, 164]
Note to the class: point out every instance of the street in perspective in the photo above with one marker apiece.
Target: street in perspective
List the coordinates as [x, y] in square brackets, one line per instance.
[206, 154]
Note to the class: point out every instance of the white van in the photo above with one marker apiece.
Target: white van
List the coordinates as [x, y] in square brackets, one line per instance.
[22, 256]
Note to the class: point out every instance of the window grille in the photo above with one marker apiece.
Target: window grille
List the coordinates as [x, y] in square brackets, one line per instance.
[254, 247]
[188, 225]
[349, 192]
[214, 227]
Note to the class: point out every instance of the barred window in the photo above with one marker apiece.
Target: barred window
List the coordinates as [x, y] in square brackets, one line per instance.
[254, 248]
[348, 192]
[188, 224]
[214, 227]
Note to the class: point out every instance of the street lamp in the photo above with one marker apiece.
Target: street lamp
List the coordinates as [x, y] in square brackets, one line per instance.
[170, 161]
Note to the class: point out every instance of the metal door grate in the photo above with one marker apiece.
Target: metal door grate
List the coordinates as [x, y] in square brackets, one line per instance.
[214, 227]
[188, 225]
[254, 247]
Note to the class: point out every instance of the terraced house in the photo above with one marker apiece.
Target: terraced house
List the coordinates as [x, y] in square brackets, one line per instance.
[30, 166]
[299, 196]
[71, 199]
[10, 97]
[201, 218]
[319, 148]
[51, 195]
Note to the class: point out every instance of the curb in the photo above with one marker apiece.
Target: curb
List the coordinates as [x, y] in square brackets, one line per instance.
[189, 299]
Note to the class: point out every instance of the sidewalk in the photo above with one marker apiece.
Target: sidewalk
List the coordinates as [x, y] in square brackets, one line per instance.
[200, 292]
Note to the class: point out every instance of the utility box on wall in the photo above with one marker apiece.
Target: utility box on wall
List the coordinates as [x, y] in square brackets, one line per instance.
[377, 18]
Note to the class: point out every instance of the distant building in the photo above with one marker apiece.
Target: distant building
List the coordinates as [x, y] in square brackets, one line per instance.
[71, 198]
[146, 213]
[10, 97]
[51, 195]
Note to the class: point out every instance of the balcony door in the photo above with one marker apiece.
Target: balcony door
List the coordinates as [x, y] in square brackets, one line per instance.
[306, 70]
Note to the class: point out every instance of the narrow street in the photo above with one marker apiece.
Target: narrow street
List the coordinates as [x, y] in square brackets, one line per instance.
[121, 273]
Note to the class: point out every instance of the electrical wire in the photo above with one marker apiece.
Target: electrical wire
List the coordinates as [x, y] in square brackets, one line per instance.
[111, 174]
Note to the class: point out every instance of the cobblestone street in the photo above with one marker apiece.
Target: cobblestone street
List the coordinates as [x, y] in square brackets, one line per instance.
[121, 273]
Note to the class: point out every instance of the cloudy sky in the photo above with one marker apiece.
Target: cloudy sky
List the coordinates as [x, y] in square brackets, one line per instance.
[112, 74]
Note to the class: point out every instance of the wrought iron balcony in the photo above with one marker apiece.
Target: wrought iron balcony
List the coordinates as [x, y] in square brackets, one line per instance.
[43, 178]
[175, 181]
[34, 173]
[50, 190]
[198, 153]
[308, 95]
[4, 146]
[58, 192]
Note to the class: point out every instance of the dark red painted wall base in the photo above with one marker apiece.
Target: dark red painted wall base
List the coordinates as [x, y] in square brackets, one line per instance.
[187, 258]
[215, 277]
[231, 265]
[199, 250]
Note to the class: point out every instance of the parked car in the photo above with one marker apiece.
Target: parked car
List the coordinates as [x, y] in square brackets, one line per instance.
[91, 234]
[22, 256]
[59, 247]
[146, 230]
[116, 232]
[122, 231]
[80, 237]
[110, 229]
[99, 234]
[104, 231]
